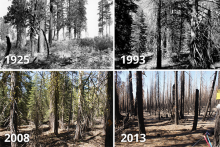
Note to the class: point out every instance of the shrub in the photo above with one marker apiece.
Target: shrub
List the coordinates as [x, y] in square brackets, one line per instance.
[103, 43]
[86, 42]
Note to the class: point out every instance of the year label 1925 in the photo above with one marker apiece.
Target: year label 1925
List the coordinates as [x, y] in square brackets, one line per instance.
[17, 59]
[130, 137]
[17, 138]
[133, 59]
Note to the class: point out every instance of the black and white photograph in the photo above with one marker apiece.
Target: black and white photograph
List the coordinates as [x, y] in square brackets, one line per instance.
[56, 34]
[167, 34]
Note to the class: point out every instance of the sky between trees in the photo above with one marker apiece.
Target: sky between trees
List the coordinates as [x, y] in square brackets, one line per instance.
[91, 14]
[207, 77]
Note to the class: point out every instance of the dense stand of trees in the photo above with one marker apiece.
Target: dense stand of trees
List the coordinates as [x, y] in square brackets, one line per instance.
[171, 29]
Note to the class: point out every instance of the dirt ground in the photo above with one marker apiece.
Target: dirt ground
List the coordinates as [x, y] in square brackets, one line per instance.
[164, 133]
[158, 133]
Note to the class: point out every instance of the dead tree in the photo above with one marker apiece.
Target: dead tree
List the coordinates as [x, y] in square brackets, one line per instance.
[196, 111]
[210, 96]
[176, 97]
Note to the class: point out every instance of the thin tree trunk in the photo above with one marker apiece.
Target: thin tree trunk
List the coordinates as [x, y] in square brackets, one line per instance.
[176, 98]
[131, 93]
[210, 96]
[51, 23]
[196, 110]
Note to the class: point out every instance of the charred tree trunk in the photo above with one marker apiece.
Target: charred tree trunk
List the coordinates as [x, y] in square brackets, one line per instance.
[196, 111]
[131, 93]
[139, 97]
[182, 95]
[176, 98]
[109, 125]
[210, 96]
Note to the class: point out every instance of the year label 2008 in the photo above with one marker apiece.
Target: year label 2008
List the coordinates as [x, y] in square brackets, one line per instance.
[133, 59]
[17, 138]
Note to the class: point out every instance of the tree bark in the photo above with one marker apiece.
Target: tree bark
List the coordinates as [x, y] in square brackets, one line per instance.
[176, 98]
[80, 97]
[41, 47]
[139, 97]
[109, 123]
[51, 23]
[182, 94]
[196, 111]
[13, 108]
[159, 36]
[131, 93]
[210, 96]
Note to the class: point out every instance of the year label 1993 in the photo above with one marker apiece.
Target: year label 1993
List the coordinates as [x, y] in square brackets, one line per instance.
[18, 137]
[130, 138]
[17, 59]
[133, 60]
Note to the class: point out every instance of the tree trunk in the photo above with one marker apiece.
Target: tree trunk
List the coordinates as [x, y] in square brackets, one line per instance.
[42, 29]
[176, 98]
[159, 36]
[139, 97]
[131, 93]
[13, 108]
[196, 110]
[80, 97]
[210, 96]
[21, 36]
[51, 23]
[109, 123]
[71, 103]
[182, 94]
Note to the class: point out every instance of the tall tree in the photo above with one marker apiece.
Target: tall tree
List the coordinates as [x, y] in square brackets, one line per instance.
[139, 97]
[159, 35]
[109, 123]
[131, 93]
[13, 108]
[51, 22]
[216, 141]
[182, 94]
[123, 19]
[176, 98]
[80, 97]
[210, 96]
[196, 110]
[17, 15]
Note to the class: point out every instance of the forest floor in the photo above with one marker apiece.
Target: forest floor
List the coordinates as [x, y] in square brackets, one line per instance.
[63, 55]
[91, 138]
[164, 133]
[159, 133]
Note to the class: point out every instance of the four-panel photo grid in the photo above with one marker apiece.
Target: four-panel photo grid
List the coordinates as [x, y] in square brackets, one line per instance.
[109, 73]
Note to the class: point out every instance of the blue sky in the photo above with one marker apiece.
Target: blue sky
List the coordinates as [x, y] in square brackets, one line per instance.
[207, 78]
